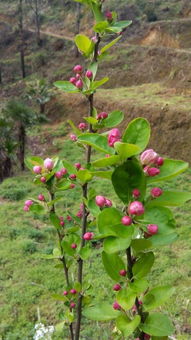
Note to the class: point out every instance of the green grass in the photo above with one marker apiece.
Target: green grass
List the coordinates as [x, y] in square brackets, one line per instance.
[28, 281]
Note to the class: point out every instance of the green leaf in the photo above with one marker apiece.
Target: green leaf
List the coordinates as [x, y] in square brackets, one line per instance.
[97, 10]
[67, 248]
[98, 83]
[102, 174]
[84, 175]
[127, 177]
[66, 86]
[113, 119]
[85, 252]
[127, 326]
[114, 244]
[84, 44]
[143, 265]
[138, 133]
[169, 169]
[101, 27]
[37, 208]
[55, 220]
[157, 324]
[126, 150]
[97, 141]
[113, 264]
[59, 297]
[94, 209]
[171, 198]
[117, 27]
[107, 219]
[74, 128]
[106, 161]
[156, 297]
[101, 312]
[91, 120]
[93, 67]
[139, 286]
[113, 42]
[163, 217]
[32, 161]
[140, 245]
[126, 298]
[69, 167]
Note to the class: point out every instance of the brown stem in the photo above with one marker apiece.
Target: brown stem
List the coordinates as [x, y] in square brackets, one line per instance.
[63, 260]
[130, 276]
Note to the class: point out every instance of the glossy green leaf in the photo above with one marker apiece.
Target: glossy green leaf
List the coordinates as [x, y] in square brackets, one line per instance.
[98, 83]
[59, 297]
[163, 217]
[107, 219]
[140, 244]
[127, 177]
[143, 265]
[113, 119]
[157, 324]
[106, 161]
[171, 198]
[91, 120]
[66, 86]
[32, 161]
[98, 142]
[113, 42]
[157, 296]
[69, 167]
[139, 286]
[101, 27]
[102, 174]
[84, 175]
[93, 67]
[84, 44]
[113, 264]
[101, 312]
[55, 220]
[126, 325]
[37, 208]
[169, 169]
[114, 244]
[126, 298]
[85, 252]
[125, 150]
[138, 133]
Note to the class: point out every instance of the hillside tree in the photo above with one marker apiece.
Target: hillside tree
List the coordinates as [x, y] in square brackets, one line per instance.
[37, 6]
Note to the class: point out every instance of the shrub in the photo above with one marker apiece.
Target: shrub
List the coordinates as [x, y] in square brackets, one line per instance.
[29, 247]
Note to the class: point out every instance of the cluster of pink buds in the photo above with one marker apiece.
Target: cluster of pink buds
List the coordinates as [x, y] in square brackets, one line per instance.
[102, 115]
[151, 162]
[78, 79]
[102, 202]
[59, 174]
[114, 136]
[62, 223]
[27, 205]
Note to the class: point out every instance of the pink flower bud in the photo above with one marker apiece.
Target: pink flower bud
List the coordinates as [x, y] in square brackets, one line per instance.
[72, 305]
[114, 136]
[79, 84]
[62, 223]
[88, 236]
[156, 192]
[153, 172]
[72, 186]
[78, 69]
[48, 163]
[149, 156]
[41, 197]
[147, 337]
[73, 138]
[107, 155]
[28, 203]
[69, 218]
[126, 220]
[37, 169]
[94, 39]
[58, 174]
[77, 165]
[136, 208]
[159, 161]
[72, 80]
[79, 214]
[116, 306]
[73, 245]
[109, 15]
[72, 176]
[63, 171]
[26, 208]
[81, 168]
[100, 201]
[89, 74]
[65, 292]
[108, 203]
[123, 272]
[102, 115]
[82, 126]
[152, 229]
[78, 76]
[117, 287]
[136, 193]
[73, 291]
[43, 179]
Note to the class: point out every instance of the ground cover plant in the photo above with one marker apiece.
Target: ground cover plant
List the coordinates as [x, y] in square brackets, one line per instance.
[126, 232]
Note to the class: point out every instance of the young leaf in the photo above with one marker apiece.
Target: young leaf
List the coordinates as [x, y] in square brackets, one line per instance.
[139, 286]
[101, 312]
[113, 42]
[157, 324]
[114, 244]
[102, 174]
[107, 219]
[140, 244]
[143, 265]
[126, 298]
[98, 83]
[171, 198]
[32, 161]
[125, 150]
[138, 133]
[84, 44]
[84, 175]
[66, 86]
[106, 161]
[127, 177]
[55, 220]
[156, 297]
[127, 326]
[97, 141]
[113, 264]
[169, 169]
[113, 119]
[101, 27]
